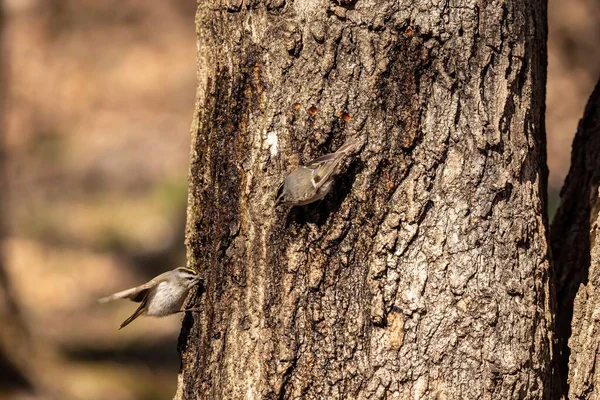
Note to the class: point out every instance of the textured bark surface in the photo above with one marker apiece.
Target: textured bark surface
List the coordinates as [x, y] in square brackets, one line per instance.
[577, 260]
[425, 273]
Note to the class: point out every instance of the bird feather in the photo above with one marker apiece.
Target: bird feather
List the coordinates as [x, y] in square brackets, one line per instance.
[135, 294]
[140, 310]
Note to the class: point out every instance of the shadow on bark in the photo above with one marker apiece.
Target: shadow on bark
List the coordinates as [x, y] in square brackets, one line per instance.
[188, 321]
[570, 231]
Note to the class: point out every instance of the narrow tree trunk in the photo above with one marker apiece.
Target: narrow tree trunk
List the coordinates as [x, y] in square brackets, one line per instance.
[424, 274]
[13, 335]
[577, 261]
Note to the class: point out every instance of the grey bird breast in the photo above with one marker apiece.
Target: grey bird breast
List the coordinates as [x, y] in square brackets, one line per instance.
[169, 301]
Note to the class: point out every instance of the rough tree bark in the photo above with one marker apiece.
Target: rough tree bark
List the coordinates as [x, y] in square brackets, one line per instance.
[577, 261]
[425, 273]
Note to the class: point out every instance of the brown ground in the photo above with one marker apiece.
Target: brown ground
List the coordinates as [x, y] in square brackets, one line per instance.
[101, 96]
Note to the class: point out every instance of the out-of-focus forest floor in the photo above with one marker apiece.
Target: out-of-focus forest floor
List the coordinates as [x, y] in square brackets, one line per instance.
[101, 94]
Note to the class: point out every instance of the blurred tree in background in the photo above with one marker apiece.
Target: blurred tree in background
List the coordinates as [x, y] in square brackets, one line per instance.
[573, 68]
[15, 363]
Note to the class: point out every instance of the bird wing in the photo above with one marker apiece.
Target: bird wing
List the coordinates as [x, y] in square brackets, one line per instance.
[323, 167]
[323, 171]
[140, 310]
[136, 294]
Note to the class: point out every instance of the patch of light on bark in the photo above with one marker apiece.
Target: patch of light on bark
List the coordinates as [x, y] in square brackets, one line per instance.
[419, 388]
[250, 394]
[272, 142]
[306, 6]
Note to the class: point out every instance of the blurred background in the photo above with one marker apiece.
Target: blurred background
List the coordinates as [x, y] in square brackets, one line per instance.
[93, 190]
[98, 99]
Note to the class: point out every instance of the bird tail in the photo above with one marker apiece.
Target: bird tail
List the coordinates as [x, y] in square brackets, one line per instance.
[140, 310]
[350, 146]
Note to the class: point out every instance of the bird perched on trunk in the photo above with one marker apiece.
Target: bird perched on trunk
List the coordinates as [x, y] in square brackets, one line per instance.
[312, 182]
[164, 295]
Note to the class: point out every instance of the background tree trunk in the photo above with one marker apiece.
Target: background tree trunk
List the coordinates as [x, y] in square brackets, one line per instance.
[14, 346]
[577, 261]
[425, 273]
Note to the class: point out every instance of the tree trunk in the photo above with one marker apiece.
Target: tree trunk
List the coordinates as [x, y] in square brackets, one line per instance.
[14, 346]
[577, 261]
[425, 273]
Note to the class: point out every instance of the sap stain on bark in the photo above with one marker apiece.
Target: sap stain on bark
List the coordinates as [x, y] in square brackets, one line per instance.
[217, 176]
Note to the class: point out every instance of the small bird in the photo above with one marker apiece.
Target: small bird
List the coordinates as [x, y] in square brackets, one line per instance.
[312, 182]
[164, 295]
